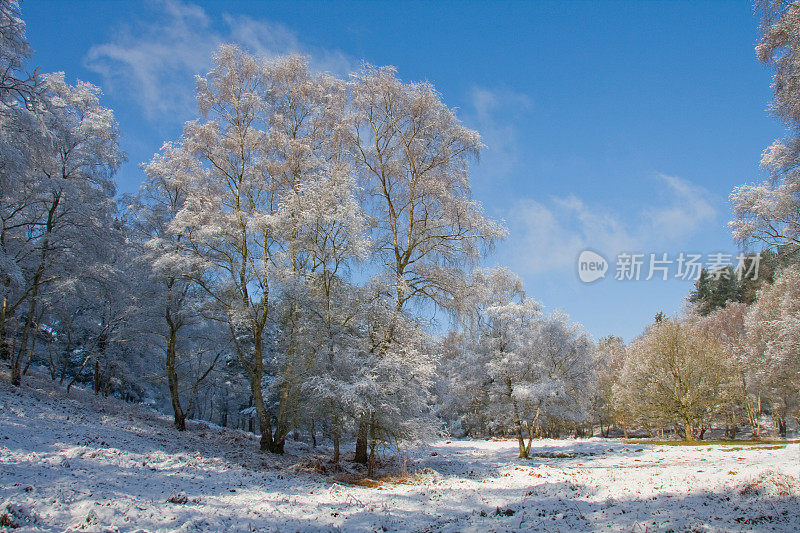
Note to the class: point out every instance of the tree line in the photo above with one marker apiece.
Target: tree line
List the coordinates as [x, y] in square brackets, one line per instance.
[277, 267]
[735, 354]
[278, 261]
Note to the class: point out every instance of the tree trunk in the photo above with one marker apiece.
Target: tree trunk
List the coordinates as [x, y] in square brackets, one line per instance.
[282, 424]
[689, 432]
[372, 449]
[16, 375]
[531, 427]
[96, 380]
[336, 452]
[780, 423]
[77, 374]
[335, 434]
[17, 357]
[754, 416]
[4, 354]
[255, 370]
[361, 440]
[266, 444]
[523, 454]
[172, 376]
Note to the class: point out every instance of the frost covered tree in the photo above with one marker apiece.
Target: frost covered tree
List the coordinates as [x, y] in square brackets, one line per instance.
[770, 212]
[318, 225]
[268, 194]
[470, 385]
[673, 374]
[520, 371]
[412, 155]
[64, 299]
[564, 390]
[397, 378]
[173, 305]
[335, 321]
[328, 310]
[225, 216]
[21, 139]
[515, 371]
[61, 201]
[106, 292]
[289, 179]
[773, 337]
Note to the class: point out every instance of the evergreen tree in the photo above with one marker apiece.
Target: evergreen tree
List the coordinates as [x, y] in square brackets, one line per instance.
[701, 293]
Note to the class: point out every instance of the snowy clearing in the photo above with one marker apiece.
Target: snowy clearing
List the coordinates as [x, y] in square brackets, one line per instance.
[87, 463]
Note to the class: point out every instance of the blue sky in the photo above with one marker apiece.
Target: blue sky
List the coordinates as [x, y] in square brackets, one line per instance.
[614, 126]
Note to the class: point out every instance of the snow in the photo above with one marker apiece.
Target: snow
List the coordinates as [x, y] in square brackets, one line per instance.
[80, 462]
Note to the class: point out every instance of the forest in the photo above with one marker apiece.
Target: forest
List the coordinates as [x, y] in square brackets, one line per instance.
[300, 302]
[285, 267]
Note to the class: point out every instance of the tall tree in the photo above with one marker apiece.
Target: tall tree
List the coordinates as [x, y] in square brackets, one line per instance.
[68, 200]
[265, 148]
[413, 155]
[22, 139]
[174, 305]
[770, 212]
[773, 337]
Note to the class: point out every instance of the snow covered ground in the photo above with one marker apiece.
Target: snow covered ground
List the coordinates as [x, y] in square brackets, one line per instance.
[84, 463]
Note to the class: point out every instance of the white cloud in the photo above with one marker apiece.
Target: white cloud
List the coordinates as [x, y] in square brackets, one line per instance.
[549, 236]
[492, 113]
[154, 63]
[266, 38]
[686, 211]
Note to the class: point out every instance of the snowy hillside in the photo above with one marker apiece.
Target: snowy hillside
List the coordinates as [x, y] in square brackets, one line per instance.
[85, 463]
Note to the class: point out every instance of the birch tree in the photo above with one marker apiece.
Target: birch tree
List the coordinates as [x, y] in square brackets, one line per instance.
[265, 148]
[69, 202]
[769, 212]
[773, 338]
[174, 305]
[413, 156]
[230, 199]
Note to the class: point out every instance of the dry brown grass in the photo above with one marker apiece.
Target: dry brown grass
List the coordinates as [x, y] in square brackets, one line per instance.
[312, 464]
[409, 478]
[7, 521]
[771, 483]
[757, 443]
[419, 477]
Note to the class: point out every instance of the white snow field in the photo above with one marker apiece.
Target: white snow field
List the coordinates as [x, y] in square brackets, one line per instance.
[79, 462]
